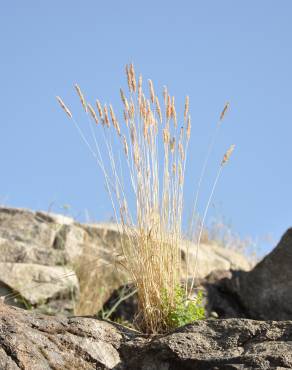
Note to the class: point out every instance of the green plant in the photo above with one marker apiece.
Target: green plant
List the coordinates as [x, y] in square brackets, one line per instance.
[182, 310]
[154, 156]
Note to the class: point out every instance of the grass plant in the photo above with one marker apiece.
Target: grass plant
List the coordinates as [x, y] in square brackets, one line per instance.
[149, 147]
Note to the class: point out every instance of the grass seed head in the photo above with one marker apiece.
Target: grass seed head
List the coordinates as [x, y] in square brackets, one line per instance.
[132, 110]
[81, 96]
[165, 94]
[187, 105]
[126, 118]
[168, 108]
[225, 109]
[166, 135]
[140, 81]
[132, 77]
[151, 90]
[123, 96]
[128, 78]
[189, 127]
[64, 107]
[227, 155]
[173, 113]
[99, 108]
[92, 112]
[106, 119]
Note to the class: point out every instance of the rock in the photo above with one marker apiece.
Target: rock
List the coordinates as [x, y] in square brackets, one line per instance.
[36, 342]
[50, 284]
[266, 291]
[31, 341]
[214, 344]
[38, 247]
[211, 257]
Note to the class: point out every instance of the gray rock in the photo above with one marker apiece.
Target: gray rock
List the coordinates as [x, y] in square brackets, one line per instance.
[214, 344]
[40, 286]
[266, 291]
[30, 341]
[36, 342]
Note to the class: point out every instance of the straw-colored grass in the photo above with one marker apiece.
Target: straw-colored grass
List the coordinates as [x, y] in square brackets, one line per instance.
[153, 148]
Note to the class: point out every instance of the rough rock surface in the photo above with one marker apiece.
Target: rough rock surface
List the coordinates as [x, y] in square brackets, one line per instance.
[39, 253]
[266, 291]
[31, 341]
[44, 248]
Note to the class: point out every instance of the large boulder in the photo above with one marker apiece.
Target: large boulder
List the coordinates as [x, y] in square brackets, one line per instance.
[45, 258]
[214, 345]
[36, 342]
[31, 341]
[266, 290]
[263, 293]
[211, 257]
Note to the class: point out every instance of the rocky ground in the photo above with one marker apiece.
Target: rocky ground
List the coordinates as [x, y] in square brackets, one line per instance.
[36, 342]
[39, 271]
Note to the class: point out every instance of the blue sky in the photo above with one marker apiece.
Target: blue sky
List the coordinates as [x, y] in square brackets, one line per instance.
[213, 51]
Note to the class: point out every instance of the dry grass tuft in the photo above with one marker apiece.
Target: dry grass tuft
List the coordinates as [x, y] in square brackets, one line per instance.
[155, 148]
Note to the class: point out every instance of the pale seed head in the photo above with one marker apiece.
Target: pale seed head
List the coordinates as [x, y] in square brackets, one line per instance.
[165, 95]
[140, 88]
[187, 105]
[133, 77]
[166, 135]
[168, 108]
[189, 126]
[117, 127]
[151, 90]
[227, 155]
[99, 108]
[64, 107]
[81, 96]
[225, 109]
[132, 110]
[128, 74]
[106, 119]
[112, 115]
[173, 112]
[126, 118]
[92, 112]
[123, 96]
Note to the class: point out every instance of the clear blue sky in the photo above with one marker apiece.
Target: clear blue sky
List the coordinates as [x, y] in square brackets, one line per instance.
[212, 50]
